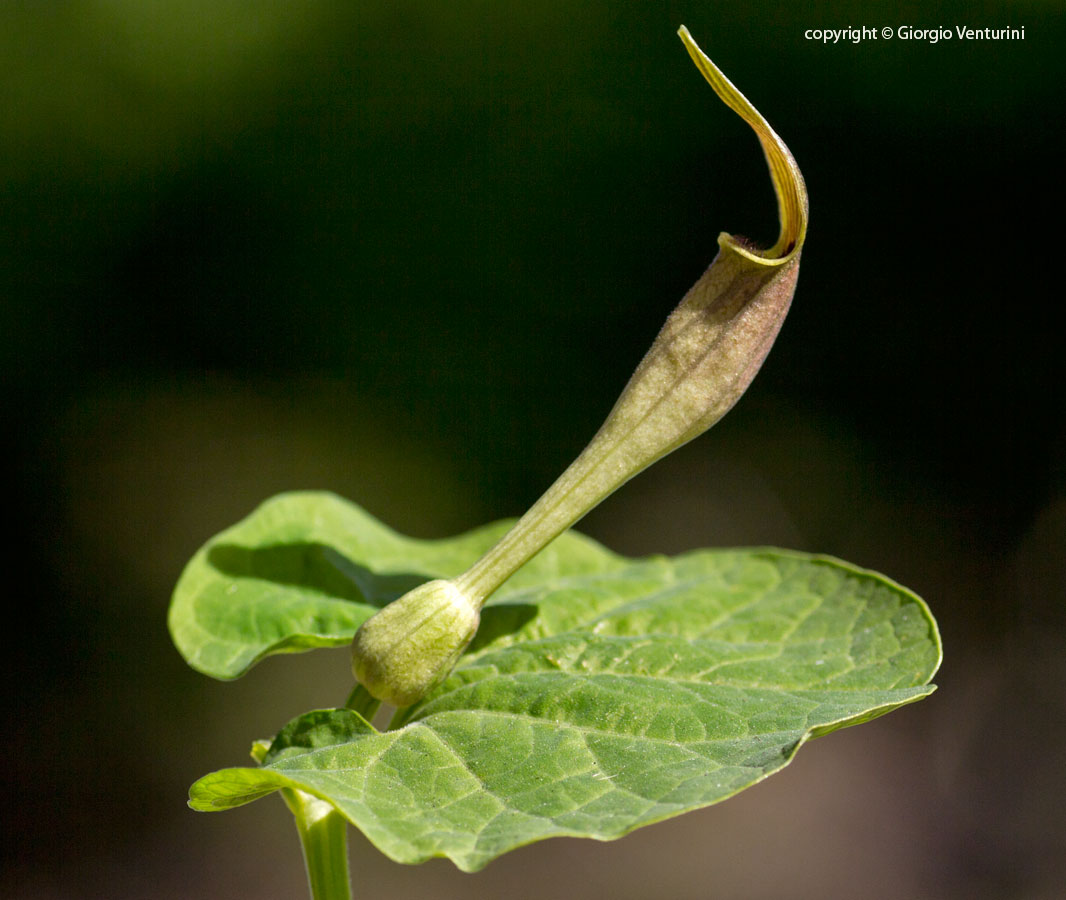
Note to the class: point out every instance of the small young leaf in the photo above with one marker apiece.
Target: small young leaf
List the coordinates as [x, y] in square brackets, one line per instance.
[630, 696]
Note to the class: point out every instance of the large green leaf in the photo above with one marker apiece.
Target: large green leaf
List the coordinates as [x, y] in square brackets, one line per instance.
[612, 699]
[306, 569]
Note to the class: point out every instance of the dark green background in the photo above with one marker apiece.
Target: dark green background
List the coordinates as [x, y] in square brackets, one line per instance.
[410, 252]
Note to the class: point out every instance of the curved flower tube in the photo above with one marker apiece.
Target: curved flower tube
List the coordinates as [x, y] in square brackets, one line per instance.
[700, 364]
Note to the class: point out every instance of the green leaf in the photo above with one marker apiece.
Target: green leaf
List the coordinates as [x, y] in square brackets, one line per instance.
[306, 569]
[619, 698]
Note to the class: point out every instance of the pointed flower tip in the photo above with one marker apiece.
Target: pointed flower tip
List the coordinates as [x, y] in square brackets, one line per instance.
[787, 179]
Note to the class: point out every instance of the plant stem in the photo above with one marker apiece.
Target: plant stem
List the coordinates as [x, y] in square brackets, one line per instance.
[363, 703]
[323, 835]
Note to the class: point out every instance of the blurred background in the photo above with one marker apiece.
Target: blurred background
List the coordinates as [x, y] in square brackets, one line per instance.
[410, 252]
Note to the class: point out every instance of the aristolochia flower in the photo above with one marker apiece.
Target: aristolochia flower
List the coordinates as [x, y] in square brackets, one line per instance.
[704, 358]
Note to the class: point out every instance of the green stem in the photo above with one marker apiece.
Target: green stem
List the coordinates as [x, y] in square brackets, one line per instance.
[323, 835]
[363, 703]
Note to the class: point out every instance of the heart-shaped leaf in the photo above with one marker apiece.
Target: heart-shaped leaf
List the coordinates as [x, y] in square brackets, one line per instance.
[305, 569]
[614, 698]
